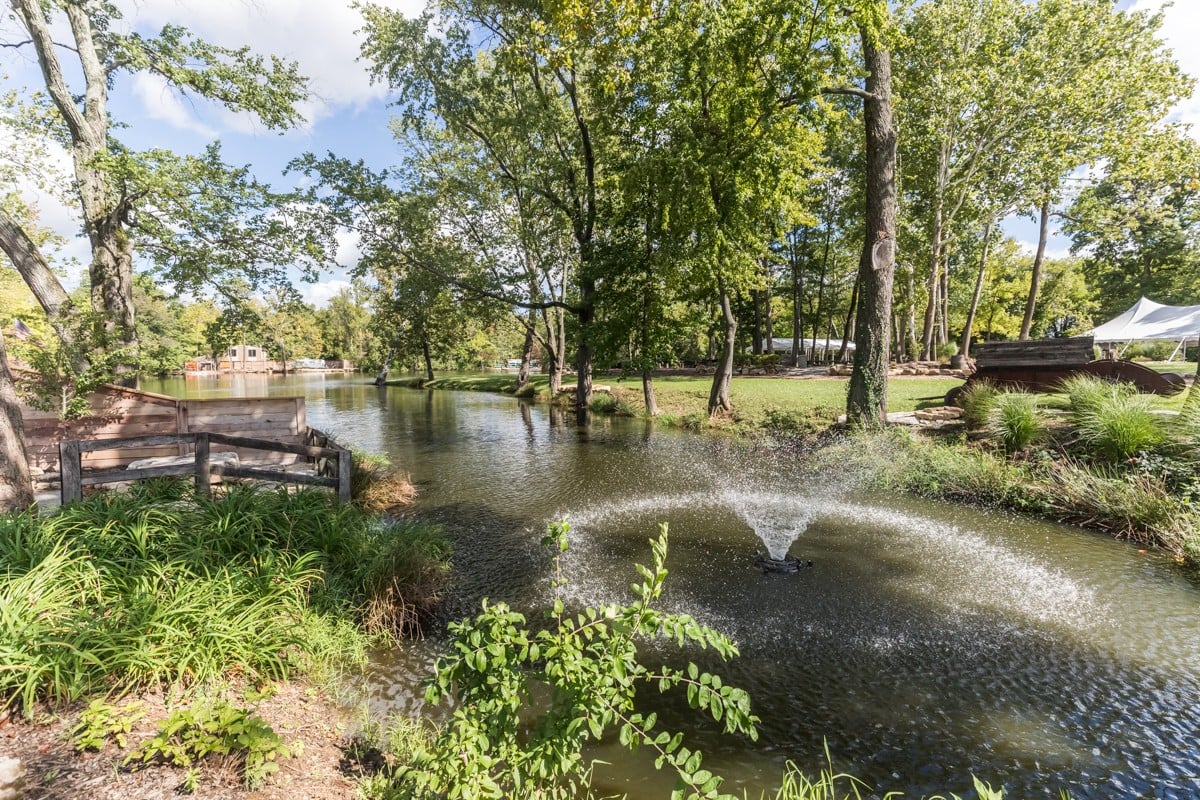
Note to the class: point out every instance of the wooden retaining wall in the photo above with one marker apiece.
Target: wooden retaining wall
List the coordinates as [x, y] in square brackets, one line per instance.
[119, 413]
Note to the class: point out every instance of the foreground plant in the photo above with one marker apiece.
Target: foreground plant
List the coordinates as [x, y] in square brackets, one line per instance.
[157, 588]
[528, 699]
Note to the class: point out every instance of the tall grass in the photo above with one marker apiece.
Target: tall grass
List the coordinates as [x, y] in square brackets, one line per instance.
[1119, 426]
[155, 587]
[1014, 420]
[977, 401]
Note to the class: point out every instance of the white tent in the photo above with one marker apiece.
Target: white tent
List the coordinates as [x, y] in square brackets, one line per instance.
[1148, 320]
[784, 345]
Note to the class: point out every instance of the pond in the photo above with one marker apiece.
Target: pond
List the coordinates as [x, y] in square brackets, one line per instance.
[926, 643]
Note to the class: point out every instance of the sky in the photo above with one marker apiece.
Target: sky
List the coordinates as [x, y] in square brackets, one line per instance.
[347, 114]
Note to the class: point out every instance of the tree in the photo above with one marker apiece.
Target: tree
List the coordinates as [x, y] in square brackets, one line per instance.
[866, 401]
[1138, 227]
[16, 490]
[77, 116]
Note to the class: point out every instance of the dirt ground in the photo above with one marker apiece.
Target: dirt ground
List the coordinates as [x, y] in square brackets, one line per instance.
[323, 767]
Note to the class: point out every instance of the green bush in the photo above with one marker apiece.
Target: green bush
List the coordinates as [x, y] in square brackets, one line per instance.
[1086, 393]
[1118, 426]
[977, 400]
[528, 698]
[212, 726]
[1015, 421]
[153, 587]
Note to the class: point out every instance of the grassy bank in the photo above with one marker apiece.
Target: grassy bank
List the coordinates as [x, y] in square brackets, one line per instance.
[155, 588]
[761, 403]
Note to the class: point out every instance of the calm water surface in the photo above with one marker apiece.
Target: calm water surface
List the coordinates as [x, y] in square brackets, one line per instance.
[927, 642]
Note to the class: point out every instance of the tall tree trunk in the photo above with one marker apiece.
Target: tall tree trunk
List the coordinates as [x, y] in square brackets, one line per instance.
[16, 488]
[526, 353]
[964, 346]
[381, 379]
[427, 358]
[935, 254]
[841, 356]
[583, 362]
[756, 300]
[718, 397]
[910, 328]
[944, 299]
[769, 317]
[648, 392]
[866, 402]
[38, 276]
[797, 293]
[555, 347]
[1035, 275]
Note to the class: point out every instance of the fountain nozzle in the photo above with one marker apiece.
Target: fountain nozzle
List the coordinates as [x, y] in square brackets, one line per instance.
[787, 564]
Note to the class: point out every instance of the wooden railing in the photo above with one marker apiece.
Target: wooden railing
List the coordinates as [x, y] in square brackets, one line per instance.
[333, 462]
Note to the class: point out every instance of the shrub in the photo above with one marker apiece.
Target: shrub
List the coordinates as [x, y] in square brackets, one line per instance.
[1014, 420]
[977, 400]
[1118, 426]
[1087, 392]
[528, 698]
[151, 587]
[214, 727]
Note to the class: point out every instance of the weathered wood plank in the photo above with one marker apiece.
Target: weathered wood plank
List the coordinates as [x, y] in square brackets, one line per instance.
[72, 488]
[285, 447]
[120, 474]
[276, 475]
[135, 442]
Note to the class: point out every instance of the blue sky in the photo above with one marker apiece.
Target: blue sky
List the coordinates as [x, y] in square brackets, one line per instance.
[347, 115]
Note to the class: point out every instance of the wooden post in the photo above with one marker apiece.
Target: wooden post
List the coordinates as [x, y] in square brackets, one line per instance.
[344, 459]
[70, 467]
[203, 475]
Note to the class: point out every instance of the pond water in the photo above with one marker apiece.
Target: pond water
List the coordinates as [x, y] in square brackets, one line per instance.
[926, 643]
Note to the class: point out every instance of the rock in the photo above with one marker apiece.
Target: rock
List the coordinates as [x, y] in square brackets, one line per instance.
[12, 778]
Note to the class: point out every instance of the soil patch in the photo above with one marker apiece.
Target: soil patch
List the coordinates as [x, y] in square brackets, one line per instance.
[322, 766]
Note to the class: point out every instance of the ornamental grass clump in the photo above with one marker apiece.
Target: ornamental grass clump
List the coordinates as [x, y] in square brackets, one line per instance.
[977, 400]
[1088, 392]
[1015, 420]
[155, 587]
[1119, 426]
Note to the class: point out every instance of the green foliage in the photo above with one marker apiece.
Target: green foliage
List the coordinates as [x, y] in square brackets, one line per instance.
[212, 726]
[1086, 393]
[102, 721]
[1120, 425]
[977, 401]
[153, 587]
[528, 698]
[1015, 421]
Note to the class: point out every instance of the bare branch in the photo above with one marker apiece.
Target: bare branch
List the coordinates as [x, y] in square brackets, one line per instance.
[850, 90]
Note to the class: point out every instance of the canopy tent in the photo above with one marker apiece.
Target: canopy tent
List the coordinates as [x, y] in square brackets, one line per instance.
[1148, 320]
[784, 345]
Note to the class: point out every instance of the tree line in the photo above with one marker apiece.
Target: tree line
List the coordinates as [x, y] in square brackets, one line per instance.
[638, 184]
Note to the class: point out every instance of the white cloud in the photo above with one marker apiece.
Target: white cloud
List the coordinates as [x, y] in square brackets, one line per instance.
[349, 248]
[1057, 247]
[319, 294]
[319, 35]
[163, 102]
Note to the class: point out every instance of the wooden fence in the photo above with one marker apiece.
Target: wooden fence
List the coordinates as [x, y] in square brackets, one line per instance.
[119, 413]
[332, 462]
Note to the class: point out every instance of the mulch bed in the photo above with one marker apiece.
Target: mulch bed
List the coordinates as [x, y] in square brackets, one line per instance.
[322, 767]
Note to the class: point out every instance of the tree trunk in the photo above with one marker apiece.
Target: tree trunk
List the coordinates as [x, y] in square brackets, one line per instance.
[381, 379]
[1035, 276]
[583, 362]
[797, 293]
[427, 358]
[718, 397]
[866, 402]
[38, 276]
[648, 392]
[526, 354]
[16, 488]
[841, 356]
[756, 300]
[769, 317]
[944, 299]
[964, 346]
[932, 284]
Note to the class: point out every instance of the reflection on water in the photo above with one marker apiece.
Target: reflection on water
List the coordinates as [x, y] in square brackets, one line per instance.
[927, 642]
